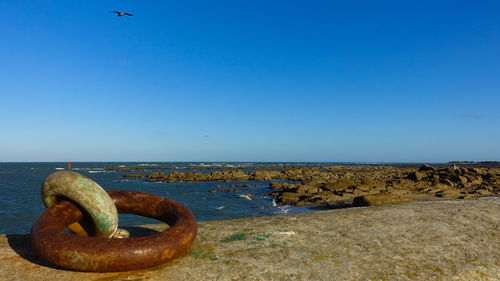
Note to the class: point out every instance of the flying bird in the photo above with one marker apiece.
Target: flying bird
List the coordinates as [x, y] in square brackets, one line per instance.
[120, 14]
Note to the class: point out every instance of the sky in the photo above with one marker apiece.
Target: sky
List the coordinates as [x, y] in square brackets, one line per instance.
[363, 81]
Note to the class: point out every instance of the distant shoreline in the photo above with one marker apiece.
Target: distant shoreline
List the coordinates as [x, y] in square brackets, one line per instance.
[291, 163]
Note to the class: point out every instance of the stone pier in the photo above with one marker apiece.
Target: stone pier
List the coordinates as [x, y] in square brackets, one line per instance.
[435, 240]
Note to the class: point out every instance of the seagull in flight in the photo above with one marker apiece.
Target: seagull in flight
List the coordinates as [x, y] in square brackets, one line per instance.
[120, 14]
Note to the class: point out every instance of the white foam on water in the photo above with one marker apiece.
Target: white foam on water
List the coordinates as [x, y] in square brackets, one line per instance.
[218, 208]
[244, 196]
[98, 171]
[86, 169]
[60, 169]
[283, 210]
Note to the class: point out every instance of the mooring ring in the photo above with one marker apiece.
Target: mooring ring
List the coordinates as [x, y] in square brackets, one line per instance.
[88, 195]
[99, 254]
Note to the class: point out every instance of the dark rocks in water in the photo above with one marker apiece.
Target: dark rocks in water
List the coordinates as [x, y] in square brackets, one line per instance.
[290, 198]
[246, 185]
[343, 185]
[225, 189]
[266, 175]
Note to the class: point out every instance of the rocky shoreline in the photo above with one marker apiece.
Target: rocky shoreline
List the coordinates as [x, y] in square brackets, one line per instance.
[344, 186]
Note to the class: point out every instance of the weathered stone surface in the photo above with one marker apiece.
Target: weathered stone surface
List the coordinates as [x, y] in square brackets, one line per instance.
[339, 185]
[450, 194]
[380, 199]
[444, 240]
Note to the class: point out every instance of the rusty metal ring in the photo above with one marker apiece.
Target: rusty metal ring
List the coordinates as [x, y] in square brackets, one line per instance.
[88, 195]
[99, 254]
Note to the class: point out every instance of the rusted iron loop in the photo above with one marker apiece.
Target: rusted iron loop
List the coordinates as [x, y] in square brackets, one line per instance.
[99, 254]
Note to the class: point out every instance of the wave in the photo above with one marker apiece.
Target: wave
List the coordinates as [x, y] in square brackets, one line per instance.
[97, 171]
[282, 209]
[244, 196]
[125, 180]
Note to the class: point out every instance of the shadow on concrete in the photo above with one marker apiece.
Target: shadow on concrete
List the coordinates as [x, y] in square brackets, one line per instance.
[137, 231]
[21, 244]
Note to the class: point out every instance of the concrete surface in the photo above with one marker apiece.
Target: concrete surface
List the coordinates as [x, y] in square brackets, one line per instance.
[435, 240]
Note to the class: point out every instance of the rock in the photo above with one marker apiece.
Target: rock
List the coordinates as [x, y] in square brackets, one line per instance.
[266, 175]
[308, 189]
[483, 192]
[404, 182]
[290, 187]
[473, 170]
[459, 179]
[231, 175]
[450, 194]
[475, 181]
[157, 175]
[317, 185]
[368, 181]
[433, 191]
[290, 198]
[364, 188]
[333, 198]
[489, 176]
[426, 167]
[380, 199]
[435, 178]
[277, 185]
[347, 175]
[418, 176]
[447, 182]
[339, 185]
[358, 192]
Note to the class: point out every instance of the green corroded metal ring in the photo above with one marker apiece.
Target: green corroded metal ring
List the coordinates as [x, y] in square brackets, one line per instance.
[87, 194]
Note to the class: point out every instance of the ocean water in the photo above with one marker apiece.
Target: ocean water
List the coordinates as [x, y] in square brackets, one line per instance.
[21, 204]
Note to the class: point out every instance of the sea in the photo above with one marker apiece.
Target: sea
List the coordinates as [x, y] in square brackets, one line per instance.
[21, 203]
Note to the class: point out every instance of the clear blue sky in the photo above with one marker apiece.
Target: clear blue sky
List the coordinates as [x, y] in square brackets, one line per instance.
[249, 81]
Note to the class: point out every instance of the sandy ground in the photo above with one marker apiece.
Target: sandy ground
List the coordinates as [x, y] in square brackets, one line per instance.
[435, 240]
